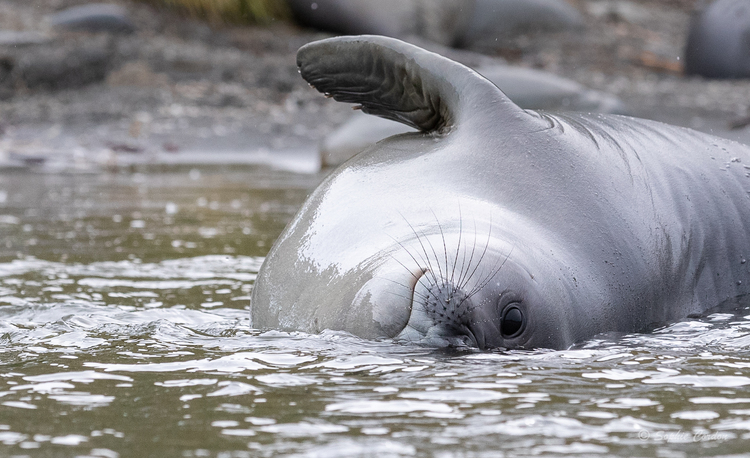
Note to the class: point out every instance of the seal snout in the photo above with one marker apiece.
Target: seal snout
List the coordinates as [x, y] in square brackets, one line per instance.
[441, 311]
[443, 302]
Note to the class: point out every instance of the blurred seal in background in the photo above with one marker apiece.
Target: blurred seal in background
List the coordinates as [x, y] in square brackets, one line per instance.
[718, 45]
[449, 22]
[442, 21]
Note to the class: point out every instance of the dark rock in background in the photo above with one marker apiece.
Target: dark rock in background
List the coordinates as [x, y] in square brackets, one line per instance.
[32, 60]
[74, 64]
[94, 17]
[718, 45]
[6, 67]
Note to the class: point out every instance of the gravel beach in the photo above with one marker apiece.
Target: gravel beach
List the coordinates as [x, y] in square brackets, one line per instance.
[178, 91]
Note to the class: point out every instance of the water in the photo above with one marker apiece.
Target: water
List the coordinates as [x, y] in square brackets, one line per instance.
[124, 331]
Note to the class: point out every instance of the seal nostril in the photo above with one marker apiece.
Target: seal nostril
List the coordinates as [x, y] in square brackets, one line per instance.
[475, 337]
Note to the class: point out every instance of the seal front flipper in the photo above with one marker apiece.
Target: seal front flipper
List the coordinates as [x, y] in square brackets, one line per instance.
[395, 80]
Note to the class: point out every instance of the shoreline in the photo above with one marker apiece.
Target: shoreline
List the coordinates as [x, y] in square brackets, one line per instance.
[178, 88]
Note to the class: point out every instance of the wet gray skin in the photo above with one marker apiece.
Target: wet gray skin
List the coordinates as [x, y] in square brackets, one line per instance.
[500, 227]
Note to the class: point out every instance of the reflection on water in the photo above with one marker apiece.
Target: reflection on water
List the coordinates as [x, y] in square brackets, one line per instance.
[124, 331]
[87, 218]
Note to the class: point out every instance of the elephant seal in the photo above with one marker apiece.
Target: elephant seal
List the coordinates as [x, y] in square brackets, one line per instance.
[718, 44]
[497, 227]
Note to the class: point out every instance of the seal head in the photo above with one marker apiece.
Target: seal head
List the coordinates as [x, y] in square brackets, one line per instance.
[398, 252]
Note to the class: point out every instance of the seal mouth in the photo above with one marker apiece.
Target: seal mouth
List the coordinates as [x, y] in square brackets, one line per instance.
[464, 336]
[476, 336]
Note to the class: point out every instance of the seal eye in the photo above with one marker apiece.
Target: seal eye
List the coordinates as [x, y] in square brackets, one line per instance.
[512, 322]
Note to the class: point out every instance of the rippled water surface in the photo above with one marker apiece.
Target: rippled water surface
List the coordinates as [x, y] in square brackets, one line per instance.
[124, 331]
